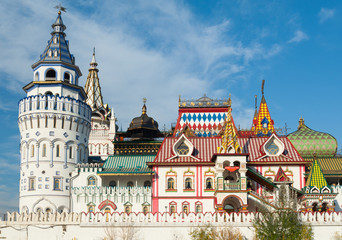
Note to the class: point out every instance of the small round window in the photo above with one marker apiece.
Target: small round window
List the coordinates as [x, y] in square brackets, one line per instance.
[183, 149]
[272, 149]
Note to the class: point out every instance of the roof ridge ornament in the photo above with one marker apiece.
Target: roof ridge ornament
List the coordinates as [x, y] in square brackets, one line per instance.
[60, 8]
[229, 138]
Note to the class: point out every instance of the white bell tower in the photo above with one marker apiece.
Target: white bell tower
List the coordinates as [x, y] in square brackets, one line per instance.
[54, 123]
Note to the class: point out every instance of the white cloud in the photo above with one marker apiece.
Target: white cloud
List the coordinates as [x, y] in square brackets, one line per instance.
[299, 36]
[325, 14]
[152, 49]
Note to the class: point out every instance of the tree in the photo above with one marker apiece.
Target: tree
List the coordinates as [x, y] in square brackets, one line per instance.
[126, 232]
[209, 232]
[282, 221]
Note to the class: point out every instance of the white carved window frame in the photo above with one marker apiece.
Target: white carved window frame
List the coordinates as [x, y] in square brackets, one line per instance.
[183, 139]
[274, 139]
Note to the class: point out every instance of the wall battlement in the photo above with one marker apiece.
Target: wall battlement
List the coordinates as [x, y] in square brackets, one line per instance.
[41, 103]
[333, 218]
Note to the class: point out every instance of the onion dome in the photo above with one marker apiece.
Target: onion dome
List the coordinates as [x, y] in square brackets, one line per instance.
[310, 143]
[143, 127]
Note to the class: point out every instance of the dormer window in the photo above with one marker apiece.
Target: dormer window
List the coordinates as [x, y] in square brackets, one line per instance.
[264, 123]
[272, 149]
[183, 149]
[274, 146]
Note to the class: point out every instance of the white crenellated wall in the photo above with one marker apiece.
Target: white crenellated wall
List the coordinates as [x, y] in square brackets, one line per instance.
[150, 226]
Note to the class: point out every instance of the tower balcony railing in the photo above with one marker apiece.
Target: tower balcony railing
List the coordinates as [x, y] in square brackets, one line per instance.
[54, 103]
[231, 185]
[99, 133]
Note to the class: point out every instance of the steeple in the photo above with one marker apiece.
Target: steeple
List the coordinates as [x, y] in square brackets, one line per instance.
[93, 88]
[316, 177]
[229, 139]
[263, 124]
[57, 49]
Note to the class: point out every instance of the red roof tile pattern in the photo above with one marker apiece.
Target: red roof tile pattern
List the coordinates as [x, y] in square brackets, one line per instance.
[205, 147]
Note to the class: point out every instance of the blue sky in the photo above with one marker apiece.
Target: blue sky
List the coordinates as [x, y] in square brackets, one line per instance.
[160, 49]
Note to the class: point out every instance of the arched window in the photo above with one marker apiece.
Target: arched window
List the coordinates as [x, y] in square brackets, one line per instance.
[31, 122]
[91, 181]
[186, 209]
[44, 150]
[46, 121]
[172, 209]
[209, 183]
[112, 183]
[36, 77]
[54, 121]
[50, 75]
[32, 150]
[130, 184]
[145, 209]
[171, 183]
[57, 151]
[198, 208]
[63, 122]
[70, 152]
[147, 184]
[128, 209]
[67, 77]
[188, 183]
[38, 122]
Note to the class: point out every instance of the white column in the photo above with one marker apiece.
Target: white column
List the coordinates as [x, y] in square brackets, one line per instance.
[37, 154]
[52, 146]
[65, 156]
[77, 155]
[27, 155]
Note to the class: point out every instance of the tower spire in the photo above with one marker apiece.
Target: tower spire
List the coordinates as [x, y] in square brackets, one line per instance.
[93, 88]
[229, 138]
[263, 125]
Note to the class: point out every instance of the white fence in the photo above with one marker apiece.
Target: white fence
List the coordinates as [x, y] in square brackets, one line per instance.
[334, 218]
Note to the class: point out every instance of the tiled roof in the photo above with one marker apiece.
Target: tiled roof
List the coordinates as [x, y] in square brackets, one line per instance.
[121, 164]
[204, 148]
[263, 117]
[316, 177]
[204, 122]
[329, 166]
[309, 142]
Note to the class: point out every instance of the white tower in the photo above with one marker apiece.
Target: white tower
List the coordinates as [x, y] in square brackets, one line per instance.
[103, 128]
[54, 123]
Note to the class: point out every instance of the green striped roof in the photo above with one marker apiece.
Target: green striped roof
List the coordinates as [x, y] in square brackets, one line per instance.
[316, 177]
[124, 164]
[329, 166]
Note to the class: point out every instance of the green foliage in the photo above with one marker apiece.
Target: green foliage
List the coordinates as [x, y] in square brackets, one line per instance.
[209, 232]
[283, 222]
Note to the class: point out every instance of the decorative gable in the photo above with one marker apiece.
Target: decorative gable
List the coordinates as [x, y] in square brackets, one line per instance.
[183, 147]
[281, 176]
[273, 146]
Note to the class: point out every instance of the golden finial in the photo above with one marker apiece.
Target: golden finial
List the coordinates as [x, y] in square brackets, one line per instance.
[179, 98]
[60, 8]
[301, 122]
[144, 109]
[229, 100]
[262, 87]
[256, 101]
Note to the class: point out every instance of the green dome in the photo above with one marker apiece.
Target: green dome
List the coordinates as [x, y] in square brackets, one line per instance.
[310, 143]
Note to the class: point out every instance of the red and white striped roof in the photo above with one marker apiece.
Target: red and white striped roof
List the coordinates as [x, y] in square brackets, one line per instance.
[206, 147]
